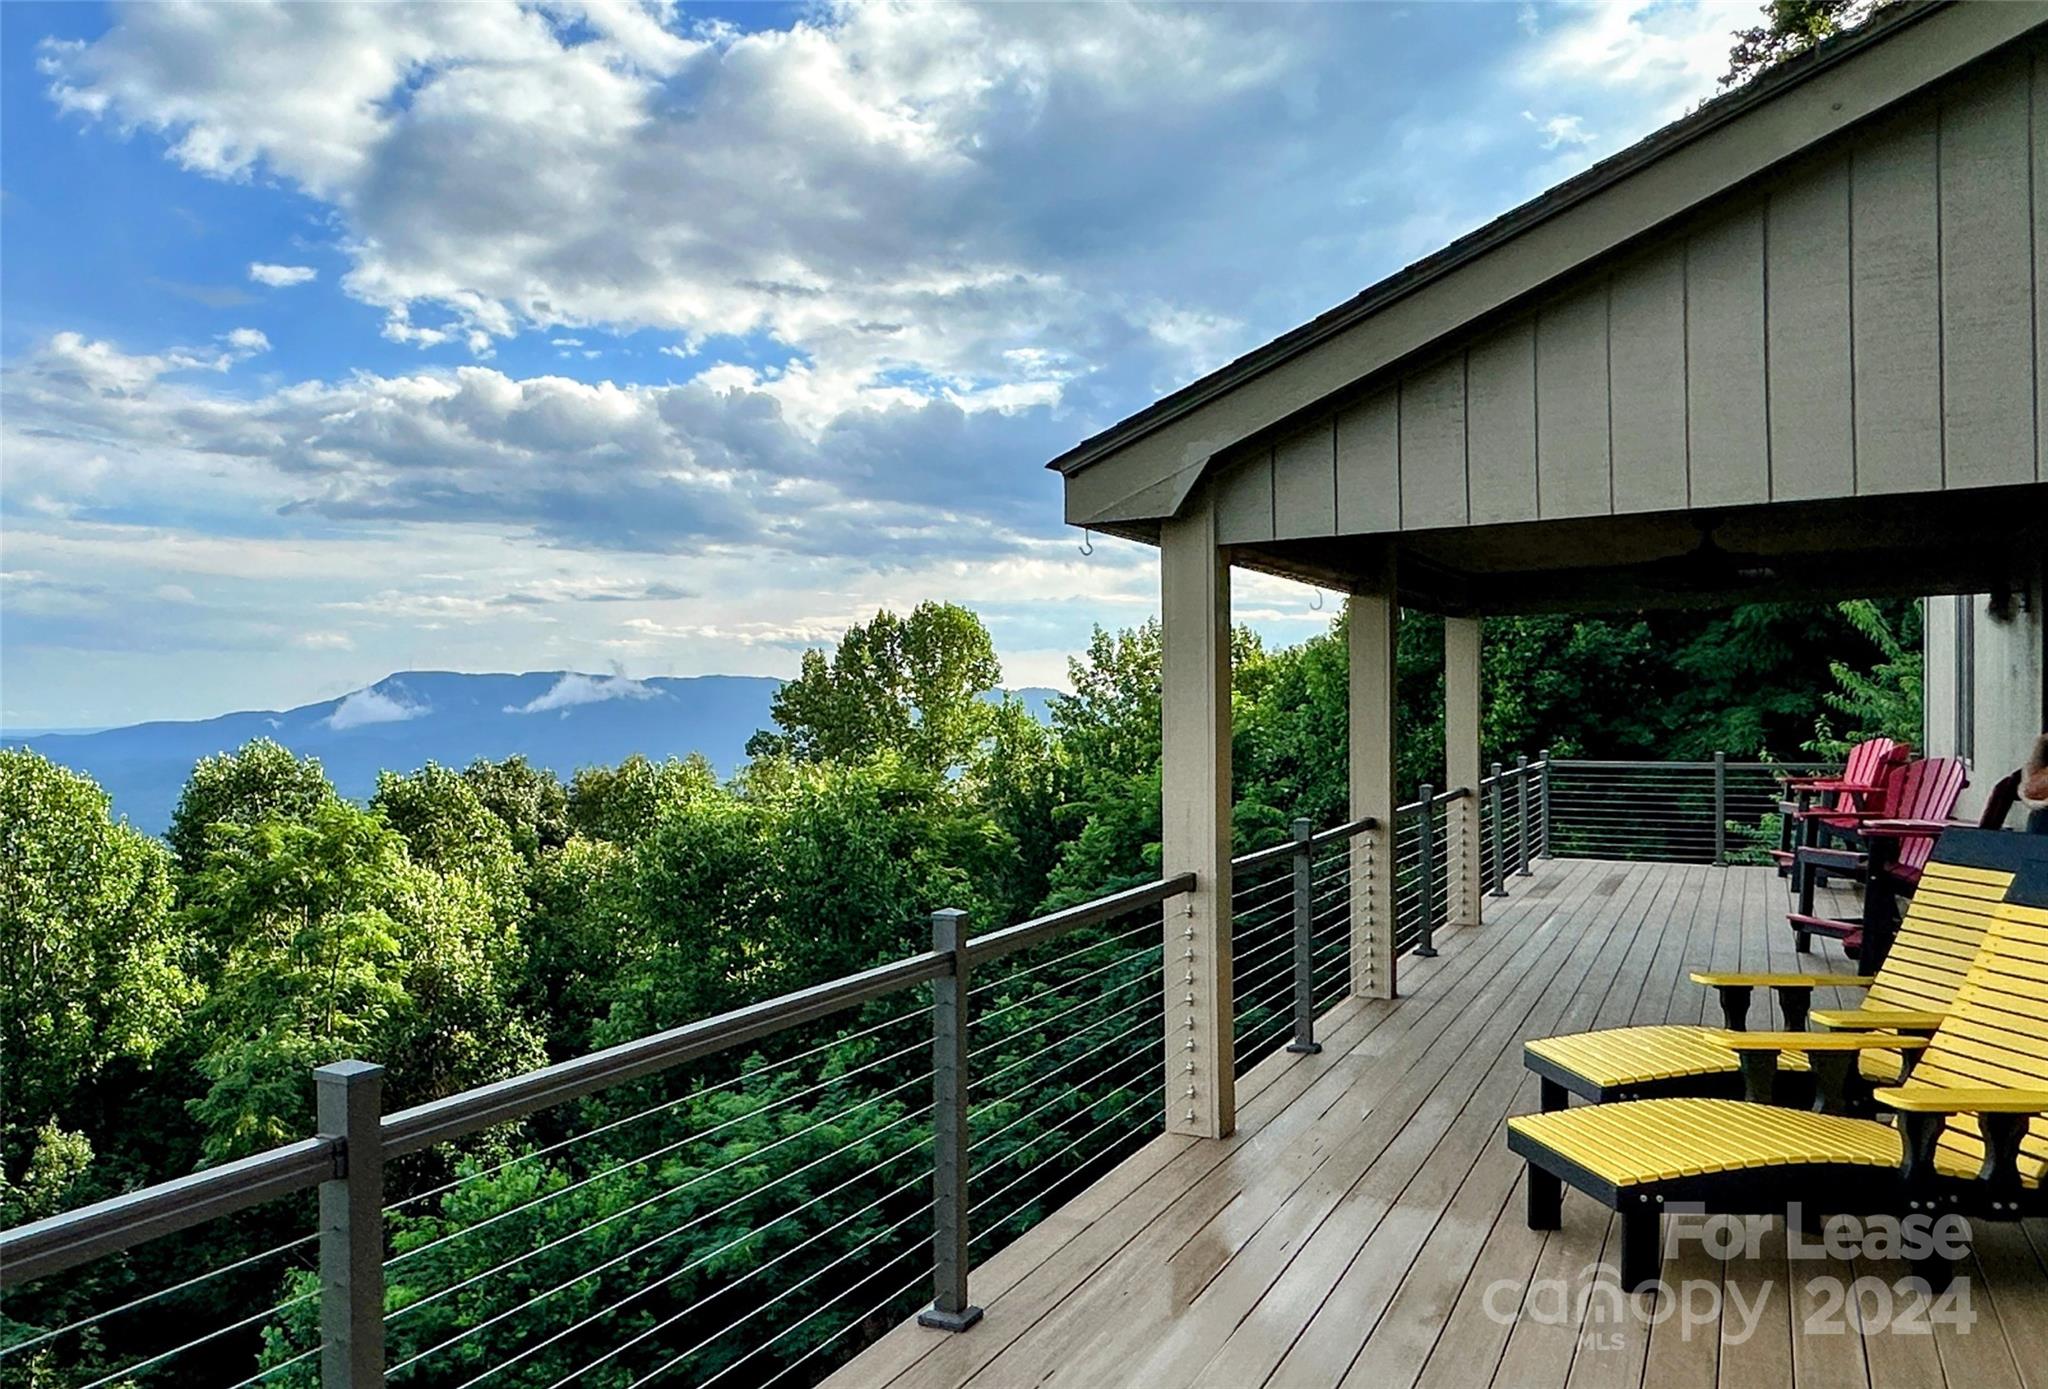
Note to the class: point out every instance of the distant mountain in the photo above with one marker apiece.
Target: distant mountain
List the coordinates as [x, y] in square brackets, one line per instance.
[559, 719]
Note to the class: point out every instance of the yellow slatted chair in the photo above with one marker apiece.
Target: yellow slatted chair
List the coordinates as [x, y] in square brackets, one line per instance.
[1971, 1137]
[1965, 880]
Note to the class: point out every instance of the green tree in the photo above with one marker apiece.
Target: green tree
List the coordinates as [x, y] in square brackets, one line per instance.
[1790, 27]
[915, 685]
[93, 966]
[262, 780]
[448, 828]
[621, 804]
[1888, 700]
[332, 943]
[531, 801]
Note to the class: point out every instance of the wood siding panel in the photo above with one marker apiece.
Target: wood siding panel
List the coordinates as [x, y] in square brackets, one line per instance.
[1813, 433]
[1987, 272]
[1244, 501]
[1500, 419]
[1305, 484]
[1895, 284]
[1573, 477]
[1433, 447]
[1728, 440]
[1369, 466]
[1646, 324]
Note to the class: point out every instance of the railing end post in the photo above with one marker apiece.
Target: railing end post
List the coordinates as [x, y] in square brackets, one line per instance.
[349, 1108]
[1543, 756]
[950, 1310]
[1426, 846]
[1304, 1041]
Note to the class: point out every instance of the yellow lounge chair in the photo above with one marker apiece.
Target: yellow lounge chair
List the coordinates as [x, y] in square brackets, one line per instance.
[1971, 1137]
[1968, 875]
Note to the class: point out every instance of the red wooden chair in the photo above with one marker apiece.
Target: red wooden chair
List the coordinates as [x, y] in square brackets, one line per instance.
[1896, 846]
[1857, 790]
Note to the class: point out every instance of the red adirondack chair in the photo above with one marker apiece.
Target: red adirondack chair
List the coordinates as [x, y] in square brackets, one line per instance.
[1897, 843]
[1857, 790]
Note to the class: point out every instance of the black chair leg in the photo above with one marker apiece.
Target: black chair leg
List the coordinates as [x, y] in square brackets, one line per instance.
[1642, 1248]
[1554, 1096]
[1802, 941]
[1546, 1200]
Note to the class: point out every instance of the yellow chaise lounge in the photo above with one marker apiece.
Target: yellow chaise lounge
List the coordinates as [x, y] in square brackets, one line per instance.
[1945, 921]
[1970, 1138]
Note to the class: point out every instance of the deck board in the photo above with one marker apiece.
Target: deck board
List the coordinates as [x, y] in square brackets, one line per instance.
[1363, 1227]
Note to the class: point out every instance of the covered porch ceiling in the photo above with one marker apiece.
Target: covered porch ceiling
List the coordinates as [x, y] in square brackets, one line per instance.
[1872, 547]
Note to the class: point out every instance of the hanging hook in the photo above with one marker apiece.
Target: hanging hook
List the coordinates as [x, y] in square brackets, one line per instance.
[1087, 541]
[1317, 606]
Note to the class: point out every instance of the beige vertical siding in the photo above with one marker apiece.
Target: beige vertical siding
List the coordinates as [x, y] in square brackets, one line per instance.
[1868, 324]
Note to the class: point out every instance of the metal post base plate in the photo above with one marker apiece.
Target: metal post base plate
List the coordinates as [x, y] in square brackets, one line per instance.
[948, 1321]
[1305, 1048]
[1426, 952]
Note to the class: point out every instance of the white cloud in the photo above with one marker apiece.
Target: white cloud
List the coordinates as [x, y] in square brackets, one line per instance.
[572, 690]
[1560, 130]
[373, 706]
[247, 342]
[324, 641]
[280, 276]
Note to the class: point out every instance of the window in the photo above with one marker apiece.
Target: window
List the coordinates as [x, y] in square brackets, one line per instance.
[1966, 677]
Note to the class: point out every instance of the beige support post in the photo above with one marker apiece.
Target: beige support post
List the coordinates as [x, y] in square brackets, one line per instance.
[1373, 615]
[1461, 764]
[1194, 629]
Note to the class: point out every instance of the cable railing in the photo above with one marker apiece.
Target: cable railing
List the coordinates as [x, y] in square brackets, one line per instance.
[1715, 811]
[1290, 938]
[745, 1199]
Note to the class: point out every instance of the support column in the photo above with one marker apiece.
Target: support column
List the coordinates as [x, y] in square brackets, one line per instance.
[1461, 766]
[1373, 616]
[1194, 636]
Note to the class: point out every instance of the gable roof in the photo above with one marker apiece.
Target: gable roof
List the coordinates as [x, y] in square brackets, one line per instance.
[1727, 142]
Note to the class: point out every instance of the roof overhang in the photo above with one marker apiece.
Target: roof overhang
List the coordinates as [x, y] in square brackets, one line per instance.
[1128, 478]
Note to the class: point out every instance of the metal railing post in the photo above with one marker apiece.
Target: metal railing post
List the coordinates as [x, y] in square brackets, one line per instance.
[1522, 814]
[1500, 863]
[1543, 756]
[1426, 843]
[349, 1105]
[1304, 945]
[1720, 809]
[950, 1310]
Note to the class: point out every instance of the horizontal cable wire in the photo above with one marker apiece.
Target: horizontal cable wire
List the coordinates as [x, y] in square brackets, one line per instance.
[857, 1321]
[262, 1375]
[151, 1362]
[665, 1149]
[1014, 975]
[133, 1303]
[1055, 1046]
[990, 1227]
[758, 1307]
[1120, 961]
[725, 1289]
[1124, 1059]
[644, 1202]
[695, 1221]
[664, 1106]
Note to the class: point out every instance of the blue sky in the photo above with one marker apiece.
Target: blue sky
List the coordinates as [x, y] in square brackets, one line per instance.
[669, 339]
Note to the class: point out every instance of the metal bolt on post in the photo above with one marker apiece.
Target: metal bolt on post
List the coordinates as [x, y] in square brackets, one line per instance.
[1427, 946]
[349, 1102]
[1522, 814]
[1304, 945]
[950, 1310]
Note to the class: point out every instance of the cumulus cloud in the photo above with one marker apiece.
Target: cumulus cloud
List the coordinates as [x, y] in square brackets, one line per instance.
[604, 466]
[373, 706]
[572, 690]
[281, 276]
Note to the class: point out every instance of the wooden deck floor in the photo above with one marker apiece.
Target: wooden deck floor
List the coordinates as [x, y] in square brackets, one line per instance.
[1364, 1225]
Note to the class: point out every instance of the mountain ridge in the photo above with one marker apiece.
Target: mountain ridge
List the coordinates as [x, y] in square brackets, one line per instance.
[559, 719]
